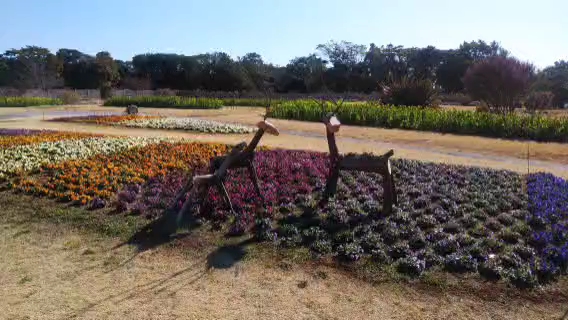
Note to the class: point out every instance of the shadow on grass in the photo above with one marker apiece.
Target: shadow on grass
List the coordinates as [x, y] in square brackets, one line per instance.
[161, 231]
[166, 229]
[227, 256]
[169, 285]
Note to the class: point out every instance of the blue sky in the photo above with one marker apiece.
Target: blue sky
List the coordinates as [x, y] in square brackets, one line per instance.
[535, 31]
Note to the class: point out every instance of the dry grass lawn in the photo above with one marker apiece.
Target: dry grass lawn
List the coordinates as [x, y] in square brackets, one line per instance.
[56, 273]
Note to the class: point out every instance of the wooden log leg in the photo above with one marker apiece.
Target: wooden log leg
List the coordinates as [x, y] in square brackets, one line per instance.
[387, 195]
[331, 184]
[225, 195]
[395, 196]
[204, 204]
[186, 205]
[254, 178]
[188, 186]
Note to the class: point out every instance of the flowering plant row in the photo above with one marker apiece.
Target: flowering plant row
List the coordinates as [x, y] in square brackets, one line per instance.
[155, 122]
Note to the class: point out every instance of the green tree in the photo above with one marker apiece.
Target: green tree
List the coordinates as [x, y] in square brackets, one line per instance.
[555, 80]
[77, 69]
[32, 67]
[107, 71]
[500, 82]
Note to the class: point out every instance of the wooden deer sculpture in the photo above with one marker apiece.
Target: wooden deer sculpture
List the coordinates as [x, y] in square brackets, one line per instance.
[352, 162]
[241, 156]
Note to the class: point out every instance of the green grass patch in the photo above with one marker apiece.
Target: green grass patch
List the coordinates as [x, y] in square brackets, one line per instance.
[12, 102]
[22, 209]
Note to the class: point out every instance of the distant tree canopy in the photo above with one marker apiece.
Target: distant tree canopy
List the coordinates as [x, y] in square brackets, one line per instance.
[337, 66]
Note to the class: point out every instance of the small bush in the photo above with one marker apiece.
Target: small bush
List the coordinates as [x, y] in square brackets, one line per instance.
[538, 101]
[70, 97]
[411, 266]
[164, 92]
[411, 92]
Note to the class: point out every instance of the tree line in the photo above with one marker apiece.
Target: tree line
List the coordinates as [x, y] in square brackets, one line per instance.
[336, 66]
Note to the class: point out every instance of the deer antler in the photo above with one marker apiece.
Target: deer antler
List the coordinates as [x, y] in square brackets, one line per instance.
[338, 105]
[321, 103]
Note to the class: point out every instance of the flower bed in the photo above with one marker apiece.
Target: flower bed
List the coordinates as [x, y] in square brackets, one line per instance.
[451, 218]
[101, 176]
[190, 124]
[103, 119]
[16, 137]
[155, 122]
[498, 224]
[23, 158]
[548, 203]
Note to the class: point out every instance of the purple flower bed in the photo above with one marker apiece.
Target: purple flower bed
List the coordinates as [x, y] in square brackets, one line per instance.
[454, 218]
[548, 204]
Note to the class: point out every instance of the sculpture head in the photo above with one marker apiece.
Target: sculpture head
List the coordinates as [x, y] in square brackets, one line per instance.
[268, 127]
[331, 122]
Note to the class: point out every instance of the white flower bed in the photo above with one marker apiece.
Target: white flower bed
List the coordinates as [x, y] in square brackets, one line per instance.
[32, 157]
[190, 124]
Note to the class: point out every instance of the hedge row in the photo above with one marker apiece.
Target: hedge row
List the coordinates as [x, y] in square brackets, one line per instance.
[166, 102]
[513, 126]
[248, 102]
[28, 101]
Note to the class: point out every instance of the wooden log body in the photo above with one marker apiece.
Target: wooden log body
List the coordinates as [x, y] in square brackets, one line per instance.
[350, 162]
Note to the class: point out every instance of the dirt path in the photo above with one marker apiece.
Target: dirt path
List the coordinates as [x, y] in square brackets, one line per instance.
[53, 273]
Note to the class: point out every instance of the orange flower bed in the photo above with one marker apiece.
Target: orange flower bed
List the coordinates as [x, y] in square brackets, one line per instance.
[102, 176]
[104, 119]
[43, 136]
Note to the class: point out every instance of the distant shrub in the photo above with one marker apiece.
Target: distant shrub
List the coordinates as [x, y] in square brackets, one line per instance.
[537, 101]
[408, 91]
[499, 82]
[70, 97]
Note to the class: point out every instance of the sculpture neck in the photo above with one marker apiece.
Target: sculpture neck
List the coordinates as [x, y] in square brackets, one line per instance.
[255, 140]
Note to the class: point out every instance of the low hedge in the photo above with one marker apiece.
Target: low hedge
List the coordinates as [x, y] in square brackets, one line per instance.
[513, 126]
[28, 101]
[248, 102]
[166, 102]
